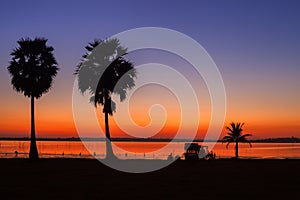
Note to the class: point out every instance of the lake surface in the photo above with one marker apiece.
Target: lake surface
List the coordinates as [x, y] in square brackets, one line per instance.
[143, 150]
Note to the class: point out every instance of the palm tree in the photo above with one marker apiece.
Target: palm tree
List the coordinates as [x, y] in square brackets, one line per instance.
[235, 135]
[104, 71]
[32, 69]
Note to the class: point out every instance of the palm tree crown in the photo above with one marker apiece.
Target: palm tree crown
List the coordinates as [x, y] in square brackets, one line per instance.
[103, 71]
[32, 67]
[235, 135]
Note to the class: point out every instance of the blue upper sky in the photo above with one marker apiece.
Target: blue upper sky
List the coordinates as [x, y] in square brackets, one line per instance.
[227, 29]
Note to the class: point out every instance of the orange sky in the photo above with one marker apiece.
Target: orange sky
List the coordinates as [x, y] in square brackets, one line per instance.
[265, 114]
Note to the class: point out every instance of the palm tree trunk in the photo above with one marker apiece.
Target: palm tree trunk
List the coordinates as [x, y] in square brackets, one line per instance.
[33, 153]
[237, 149]
[109, 151]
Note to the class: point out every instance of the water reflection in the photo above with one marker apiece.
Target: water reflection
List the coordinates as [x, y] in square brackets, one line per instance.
[142, 150]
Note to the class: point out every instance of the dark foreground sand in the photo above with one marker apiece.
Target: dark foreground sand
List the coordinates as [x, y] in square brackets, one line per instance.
[89, 179]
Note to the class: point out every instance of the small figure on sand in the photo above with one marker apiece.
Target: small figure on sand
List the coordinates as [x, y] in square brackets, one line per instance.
[16, 153]
[170, 157]
[211, 156]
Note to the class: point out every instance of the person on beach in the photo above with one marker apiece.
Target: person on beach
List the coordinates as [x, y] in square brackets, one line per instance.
[170, 157]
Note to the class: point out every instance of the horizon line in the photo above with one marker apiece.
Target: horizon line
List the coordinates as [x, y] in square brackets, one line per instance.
[128, 139]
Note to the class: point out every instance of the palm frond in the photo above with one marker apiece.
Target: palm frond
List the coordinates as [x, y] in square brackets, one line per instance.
[243, 138]
[227, 145]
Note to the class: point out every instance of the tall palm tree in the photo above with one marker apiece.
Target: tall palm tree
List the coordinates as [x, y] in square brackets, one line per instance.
[103, 71]
[32, 69]
[235, 135]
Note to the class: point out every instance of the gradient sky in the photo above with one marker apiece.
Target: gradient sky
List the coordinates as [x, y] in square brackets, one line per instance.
[255, 44]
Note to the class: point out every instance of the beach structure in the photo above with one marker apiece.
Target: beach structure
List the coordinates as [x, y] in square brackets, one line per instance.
[194, 151]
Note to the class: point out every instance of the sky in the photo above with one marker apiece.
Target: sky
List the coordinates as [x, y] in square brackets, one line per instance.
[255, 44]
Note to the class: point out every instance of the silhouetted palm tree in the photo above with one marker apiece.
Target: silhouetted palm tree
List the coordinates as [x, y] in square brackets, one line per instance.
[103, 71]
[235, 135]
[32, 69]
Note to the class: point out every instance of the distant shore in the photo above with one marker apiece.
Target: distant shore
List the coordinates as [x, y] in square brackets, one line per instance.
[90, 179]
[266, 140]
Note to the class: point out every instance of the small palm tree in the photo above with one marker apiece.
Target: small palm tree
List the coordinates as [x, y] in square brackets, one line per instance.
[103, 71]
[235, 135]
[32, 69]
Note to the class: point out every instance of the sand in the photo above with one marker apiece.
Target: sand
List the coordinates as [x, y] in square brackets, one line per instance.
[89, 179]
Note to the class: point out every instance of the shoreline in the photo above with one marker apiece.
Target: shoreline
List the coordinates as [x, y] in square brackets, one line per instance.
[227, 159]
[21, 155]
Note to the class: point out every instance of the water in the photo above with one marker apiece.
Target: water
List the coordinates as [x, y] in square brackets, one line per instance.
[143, 150]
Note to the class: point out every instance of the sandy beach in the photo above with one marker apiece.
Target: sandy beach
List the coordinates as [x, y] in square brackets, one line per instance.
[90, 179]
